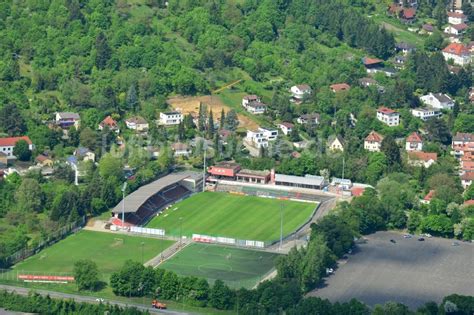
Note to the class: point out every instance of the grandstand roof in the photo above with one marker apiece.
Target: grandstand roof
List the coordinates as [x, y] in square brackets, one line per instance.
[299, 180]
[139, 196]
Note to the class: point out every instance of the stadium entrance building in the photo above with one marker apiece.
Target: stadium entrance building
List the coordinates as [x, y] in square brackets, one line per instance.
[256, 177]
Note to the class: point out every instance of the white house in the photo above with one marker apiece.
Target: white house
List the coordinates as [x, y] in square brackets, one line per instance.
[388, 116]
[335, 143]
[456, 18]
[7, 145]
[171, 118]
[414, 142]
[249, 99]
[256, 108]
[299, 92]
[137, 123]
[438, 101]
[260, 137]
[425, 113]
[373, 142]
[456, 30]
[286, 128]
[308, 119]
[459, 53]
[66, 120]
[425, 159]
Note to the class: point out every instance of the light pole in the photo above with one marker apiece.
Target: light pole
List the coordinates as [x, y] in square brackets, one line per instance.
[180, 230]
[124, 187]
[281, 224]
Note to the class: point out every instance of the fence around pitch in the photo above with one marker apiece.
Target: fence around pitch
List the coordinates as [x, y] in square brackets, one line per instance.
[53, 238]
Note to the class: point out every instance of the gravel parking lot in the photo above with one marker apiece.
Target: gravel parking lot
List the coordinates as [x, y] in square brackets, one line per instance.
[408, 271]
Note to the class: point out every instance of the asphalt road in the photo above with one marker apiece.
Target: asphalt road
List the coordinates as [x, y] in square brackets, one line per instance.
[86, 299]
[408, 271]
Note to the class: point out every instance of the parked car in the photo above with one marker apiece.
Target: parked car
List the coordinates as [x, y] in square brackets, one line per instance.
[421, 239]
[407, 236]
[392, 241]
[455, 244]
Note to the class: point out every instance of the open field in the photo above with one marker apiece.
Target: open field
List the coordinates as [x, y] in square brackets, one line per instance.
[190, 104]
[237, 267]
[409, 271]
[227, 215]
[108, 250]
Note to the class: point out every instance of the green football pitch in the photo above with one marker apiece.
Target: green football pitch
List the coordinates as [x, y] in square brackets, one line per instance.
[235, 266]
[227, 215]
[108, 250]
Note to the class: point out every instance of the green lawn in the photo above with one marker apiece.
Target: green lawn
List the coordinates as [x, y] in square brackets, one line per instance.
[108, 250]
[235, 266]
[226, 215]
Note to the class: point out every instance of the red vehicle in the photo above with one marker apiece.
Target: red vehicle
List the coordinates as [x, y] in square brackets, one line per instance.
[158, 305]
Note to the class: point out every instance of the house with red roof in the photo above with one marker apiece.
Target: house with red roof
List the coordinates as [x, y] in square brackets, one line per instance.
[414, 142]
[388, 116]
[427, 199]
[405, 15]
[340, 87]
[110, 123]
[372, 65]
[299, 92]
[419, 158]
[7, 145]
[468, 203]
[373, 142]
[459, 53]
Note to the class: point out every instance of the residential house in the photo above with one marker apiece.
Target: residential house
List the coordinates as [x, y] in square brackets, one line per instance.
[84, 154]
[250, 99]
[44, 161]
[181, 149]
[466, 166]
[373, 142]
[256, 108]
[419, 158]
[463, 144]
[438, 101]
[340, 87]
[456, 30]
[466, 179]
[388, 116]
[404, 48]
[366, 82]
[428, 29]
[171, 118]
[7, 145]
[259, 138]
[372, 65]
[425, 113]
[137, 123]
[335, 143]
[427, 199]
[300, 92]
[66, 120]
[286, 128]
[308, 119]
[456, 18]
[414, 142]
[110, 123]
[301, 144]
[459, 53]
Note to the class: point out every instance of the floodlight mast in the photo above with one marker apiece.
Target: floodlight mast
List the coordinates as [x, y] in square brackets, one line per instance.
[124, 187]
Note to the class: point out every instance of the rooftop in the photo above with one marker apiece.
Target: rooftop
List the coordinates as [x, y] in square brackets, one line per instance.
[414, 137]
[386, 111]
[338, 87]
[374, 136]
[299, 180]
[456, 49]
[11, 141]
[423, 156]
